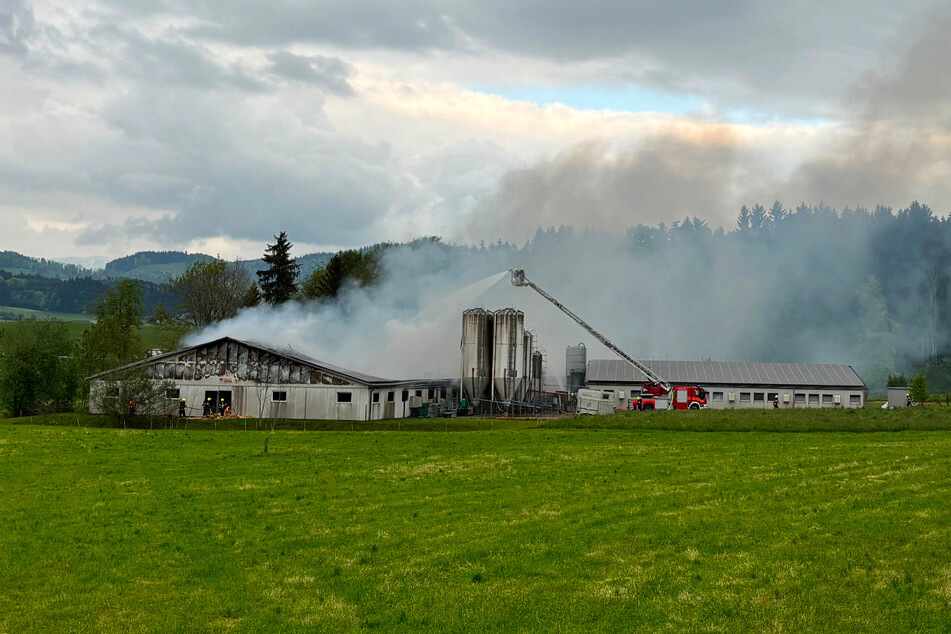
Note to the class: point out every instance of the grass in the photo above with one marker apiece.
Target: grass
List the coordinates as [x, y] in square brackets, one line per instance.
[151, 336]
[601, 528]
[43, 315]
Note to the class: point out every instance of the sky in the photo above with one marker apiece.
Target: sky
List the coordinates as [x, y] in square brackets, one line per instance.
[211, 126]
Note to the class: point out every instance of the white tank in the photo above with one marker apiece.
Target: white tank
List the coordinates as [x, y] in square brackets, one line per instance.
[476, 354]
[508, 362]
[576, 359]
[525, 369]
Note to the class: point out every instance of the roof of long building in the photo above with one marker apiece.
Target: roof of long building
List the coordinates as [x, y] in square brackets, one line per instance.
[286, 352]
[728, 373]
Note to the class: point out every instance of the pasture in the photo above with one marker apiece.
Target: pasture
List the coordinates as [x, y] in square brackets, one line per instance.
[577, 525]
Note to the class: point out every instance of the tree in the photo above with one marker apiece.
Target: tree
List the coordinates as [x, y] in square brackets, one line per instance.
[358, 267]
[776, 213]
[112, 396]
[114, 339]
[38, 372]
[213, 291]
[919, 389]
[897, 380]
[743, 219]
[279, 281]
[876, 344]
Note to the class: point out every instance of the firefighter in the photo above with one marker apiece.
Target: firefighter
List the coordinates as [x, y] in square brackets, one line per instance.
[639, 403]
[206, 407]
[908, 399]
[776, 401]
[221, 407]
[181, 408]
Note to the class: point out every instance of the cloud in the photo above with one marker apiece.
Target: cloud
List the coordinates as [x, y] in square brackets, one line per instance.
[330, 73]
[16, 27]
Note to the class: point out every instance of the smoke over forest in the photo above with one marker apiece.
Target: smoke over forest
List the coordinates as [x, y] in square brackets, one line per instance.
[867, 288]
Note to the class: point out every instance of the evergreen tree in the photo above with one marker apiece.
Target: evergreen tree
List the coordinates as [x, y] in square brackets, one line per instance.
[279, 281]
[743, 219]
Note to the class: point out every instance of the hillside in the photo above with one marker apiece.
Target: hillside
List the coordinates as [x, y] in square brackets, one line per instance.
[147, 266]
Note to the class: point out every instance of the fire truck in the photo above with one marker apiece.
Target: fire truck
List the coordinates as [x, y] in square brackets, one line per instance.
[656, 393]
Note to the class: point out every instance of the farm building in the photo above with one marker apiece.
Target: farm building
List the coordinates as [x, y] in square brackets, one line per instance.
[258, 380]
[732, 385]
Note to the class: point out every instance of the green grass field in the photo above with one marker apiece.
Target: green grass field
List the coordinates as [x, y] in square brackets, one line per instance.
[152, 336]
[575, 525]
[42, 315]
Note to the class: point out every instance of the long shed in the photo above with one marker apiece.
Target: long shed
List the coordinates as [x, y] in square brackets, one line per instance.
[737, 385]
[257, 379]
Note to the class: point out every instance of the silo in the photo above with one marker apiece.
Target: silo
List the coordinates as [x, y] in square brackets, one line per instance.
[537, 374]
[508, 344]
[476, 354]
[525, 368]
[576, 362]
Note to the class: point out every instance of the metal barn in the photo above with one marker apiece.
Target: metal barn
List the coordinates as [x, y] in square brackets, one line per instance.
[259, 380]
[734, 385]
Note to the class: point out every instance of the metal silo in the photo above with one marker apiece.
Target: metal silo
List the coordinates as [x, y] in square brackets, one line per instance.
[576, 361]
[538, 372]
[508, 346]
[476, 354]
[525, 369]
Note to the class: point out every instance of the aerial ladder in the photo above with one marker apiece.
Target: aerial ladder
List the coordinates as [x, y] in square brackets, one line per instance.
[692, 397]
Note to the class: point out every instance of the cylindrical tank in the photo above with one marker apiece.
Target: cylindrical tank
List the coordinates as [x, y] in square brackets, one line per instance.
[476, 354]
[537, 379]
[525, 366]
[508, 344]
[576, 363]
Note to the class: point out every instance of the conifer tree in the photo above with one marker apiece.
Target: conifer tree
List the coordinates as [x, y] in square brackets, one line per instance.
[278, 282]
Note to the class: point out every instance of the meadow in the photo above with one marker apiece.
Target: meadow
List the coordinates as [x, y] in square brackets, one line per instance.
[624, 523]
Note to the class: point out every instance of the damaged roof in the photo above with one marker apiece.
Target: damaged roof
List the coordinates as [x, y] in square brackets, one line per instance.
[286, 352]
[701, 373]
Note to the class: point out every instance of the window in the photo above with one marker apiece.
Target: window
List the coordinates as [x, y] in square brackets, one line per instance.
[389, 396]
[376, 397]
[717, 396]
[405, 395]
[813, 399]
[431, 393]
[799, 398]
[442, 392]
[419, 392]
[772, 396]
[827, 399]
[344, 397]
[744, 397]
[279, 397]
[855, 399]
[758, 396]
[173, 393]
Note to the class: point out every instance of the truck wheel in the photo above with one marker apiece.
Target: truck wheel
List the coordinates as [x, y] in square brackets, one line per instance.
[695, 406]
[648, 408]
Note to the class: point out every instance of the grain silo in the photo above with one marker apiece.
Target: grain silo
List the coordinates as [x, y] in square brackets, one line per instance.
[476, 354]
[508, 347]
[576, 362]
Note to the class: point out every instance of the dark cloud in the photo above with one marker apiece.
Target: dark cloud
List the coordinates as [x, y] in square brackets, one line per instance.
[894, 147]
[16, 27]
[330, 73]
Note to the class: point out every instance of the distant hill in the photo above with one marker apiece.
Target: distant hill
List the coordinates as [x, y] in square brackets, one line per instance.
[71, 296]
[151, 266]
[16, 263]
[147, 266]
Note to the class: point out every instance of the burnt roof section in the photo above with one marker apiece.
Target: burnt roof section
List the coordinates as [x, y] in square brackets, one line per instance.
[728, 373]
[288, 353]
